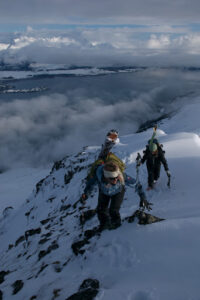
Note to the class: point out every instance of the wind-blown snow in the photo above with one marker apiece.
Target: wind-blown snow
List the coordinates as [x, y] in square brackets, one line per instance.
[133, 262]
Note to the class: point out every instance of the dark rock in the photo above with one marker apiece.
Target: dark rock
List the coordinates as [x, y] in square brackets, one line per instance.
[7, 211]
[87, 215]
[57, 266]
[39, 184]
[76, 247]
[10, 246]
[43, 222]
[33, 297]
[32, 232]
[17, 286]
[56, 293]
[90, 283]
[68, 177]
[42, 253]
[48, 226]
[65, 207]
[80, 200]
[78, 169]
[51, 199]
[91, 232]
[58, 165]
[19, 240]
[65, 263]
[43, 241]
[87, 291]
[145, 218]
[27, 214]
[1, 295]
[41, 269]
[2, 275]
[152, 123]
[46, 235]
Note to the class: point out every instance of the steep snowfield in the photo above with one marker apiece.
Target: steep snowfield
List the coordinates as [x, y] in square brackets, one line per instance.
[133, 262]
[16, 185]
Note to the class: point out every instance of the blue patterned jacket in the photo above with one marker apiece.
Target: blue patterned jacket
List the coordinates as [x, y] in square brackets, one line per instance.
[104, 187]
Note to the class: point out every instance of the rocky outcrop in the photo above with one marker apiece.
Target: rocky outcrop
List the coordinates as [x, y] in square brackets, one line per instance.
[87, 291]
[17, 286]
[2, 275]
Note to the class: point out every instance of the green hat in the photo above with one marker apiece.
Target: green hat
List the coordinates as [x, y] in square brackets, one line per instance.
[153, 147]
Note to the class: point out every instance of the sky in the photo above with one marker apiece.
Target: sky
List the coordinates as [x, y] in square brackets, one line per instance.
[101, 33]
[146, 12]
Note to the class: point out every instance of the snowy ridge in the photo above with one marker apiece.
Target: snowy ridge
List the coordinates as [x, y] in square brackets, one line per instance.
[158, 261]
[62, 70]
[6, 89]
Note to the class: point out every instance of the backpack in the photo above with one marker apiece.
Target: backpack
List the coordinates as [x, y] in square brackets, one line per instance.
[110, 157]
[155, 141]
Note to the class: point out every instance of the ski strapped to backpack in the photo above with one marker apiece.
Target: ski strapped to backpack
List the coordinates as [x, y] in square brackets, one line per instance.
[112, 138]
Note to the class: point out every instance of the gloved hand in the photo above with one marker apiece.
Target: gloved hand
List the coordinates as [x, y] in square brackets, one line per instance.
[168, 173]
[145, 204]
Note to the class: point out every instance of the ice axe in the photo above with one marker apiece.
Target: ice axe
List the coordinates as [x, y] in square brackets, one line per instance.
[169, 180]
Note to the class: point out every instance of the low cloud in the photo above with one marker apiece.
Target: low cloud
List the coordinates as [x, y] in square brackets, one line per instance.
[40, 130]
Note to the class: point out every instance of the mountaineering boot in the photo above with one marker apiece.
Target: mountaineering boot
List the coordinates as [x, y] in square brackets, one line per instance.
[104, 226]
[115, 225]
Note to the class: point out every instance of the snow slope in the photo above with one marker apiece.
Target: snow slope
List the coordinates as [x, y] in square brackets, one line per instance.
[16, 185]
[133, 262]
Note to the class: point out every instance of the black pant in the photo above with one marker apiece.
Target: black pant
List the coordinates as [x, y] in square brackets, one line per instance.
[153, 173]
[105, 214]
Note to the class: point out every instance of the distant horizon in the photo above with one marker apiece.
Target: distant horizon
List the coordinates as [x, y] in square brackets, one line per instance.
[176, 27]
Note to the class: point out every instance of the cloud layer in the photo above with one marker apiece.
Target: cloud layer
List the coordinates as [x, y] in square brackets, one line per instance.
[39, 130]
[103, 47]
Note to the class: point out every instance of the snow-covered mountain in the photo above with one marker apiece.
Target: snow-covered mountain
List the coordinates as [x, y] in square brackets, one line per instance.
[133, 262]
[45, 70]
